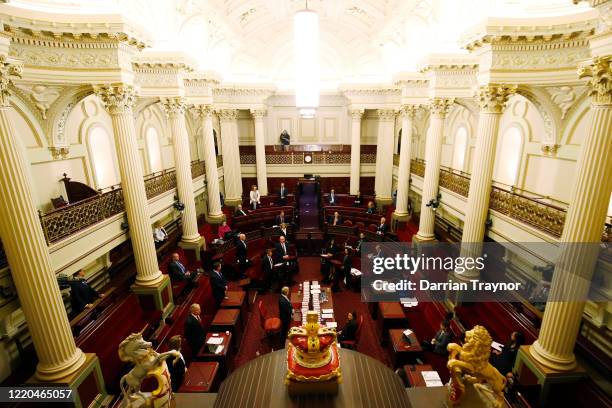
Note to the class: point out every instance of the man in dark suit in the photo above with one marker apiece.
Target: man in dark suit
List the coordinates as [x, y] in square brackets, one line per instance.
[194, 331]
[332, 197]
[281, 219]
[282, 250]
[267, 267]
[441, 339]
[382, 227]
[82, 295]
[282, 229]
[242, 253]
[177, 270]
[176, 366]
[282, 194]
[218, 284]
[360, 243]
[285, 311]
[348, 333]
[239, 211]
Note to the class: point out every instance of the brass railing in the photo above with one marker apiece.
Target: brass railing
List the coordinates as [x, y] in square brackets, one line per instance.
[65, 221]
[543, 216]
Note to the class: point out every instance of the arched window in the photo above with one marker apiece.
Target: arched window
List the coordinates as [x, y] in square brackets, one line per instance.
[509, 157]
[101, 150]
[461, 138]
[153, 150]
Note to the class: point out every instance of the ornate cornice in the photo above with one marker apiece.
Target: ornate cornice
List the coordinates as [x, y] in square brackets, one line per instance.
[356, 114]
[8, 69]
[440, 106]
[173, 106]
[492, 98]
[117, 98]
[599, 72]
[227, 114]
[258, 113]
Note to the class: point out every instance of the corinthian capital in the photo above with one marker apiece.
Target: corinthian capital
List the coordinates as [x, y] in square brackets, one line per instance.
[440, 106]
[599, 72]
[174, 106]
[117, 98]
[8, 69]
[227, 114]
[356, 114]
[492, 98]
[202, 111]
[258, 113]
[410, 111]
[386, 114]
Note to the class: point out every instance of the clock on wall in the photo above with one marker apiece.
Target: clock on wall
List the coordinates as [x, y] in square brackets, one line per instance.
[308, 158]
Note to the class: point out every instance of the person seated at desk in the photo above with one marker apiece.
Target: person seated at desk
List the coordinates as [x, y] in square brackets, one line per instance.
[82, 295]
[348, 333]
[254, 197]
[239, 211]
[194, 331]
[329, 251]
[371, 208]
[176, 366]
[382, 227]
[504, 360]
[332, 197]
[177, 270]
[223, 229]
[159, 234]
[282, 228]
[357, 202]
[335, 219]
[281, 218]
[282, 194]
[218, 284]
[442, 338]
[267, 268]
[285, 311]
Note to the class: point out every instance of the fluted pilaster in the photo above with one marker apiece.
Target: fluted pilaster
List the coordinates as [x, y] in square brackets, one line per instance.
[584, 223]
[27, 252]
[433, 151]
[356, 115]
[384, 173]
[231, 156]
[118, 100]
[492, 100]
[204, 114]
[175, 109]
[403, 177]
[260, 150]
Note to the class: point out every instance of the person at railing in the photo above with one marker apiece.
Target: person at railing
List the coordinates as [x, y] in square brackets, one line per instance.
[239, 211]
[335, 219]
[177, 270]
[159, 234]
[223, 230]
[382, 228]
[282, 194]
[82, 295]
[357, 202]
[371, 207]
[281, 219]
[177, 367]
[332, 197]
[218, 284]
[254, 197]
[194, 331]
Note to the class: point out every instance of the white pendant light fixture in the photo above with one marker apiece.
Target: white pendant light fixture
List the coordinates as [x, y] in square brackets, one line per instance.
[306, 57]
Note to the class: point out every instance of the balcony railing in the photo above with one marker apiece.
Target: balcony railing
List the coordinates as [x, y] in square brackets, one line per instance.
[65, 221]
[529, 210]
[297, 154]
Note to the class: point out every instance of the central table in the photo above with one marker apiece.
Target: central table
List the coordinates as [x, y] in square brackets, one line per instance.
[402, 350]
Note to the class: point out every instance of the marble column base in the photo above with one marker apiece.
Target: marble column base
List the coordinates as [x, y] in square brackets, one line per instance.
[158, 297]
[399, 217]
[87, 383]
[193, 246]
[214, 219]
[416, 239]
[384, 200]
[233, 201]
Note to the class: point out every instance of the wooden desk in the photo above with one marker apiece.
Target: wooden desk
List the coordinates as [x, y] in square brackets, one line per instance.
[413, 373]
[224, 358]
[201, 377]
[390, 316]
[402, 351]
[228, 320]
[237, 299]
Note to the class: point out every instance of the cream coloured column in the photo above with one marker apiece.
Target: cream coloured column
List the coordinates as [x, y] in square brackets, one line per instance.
[433, 150]
[403, 176]
[119, 99]
[27, 252]
[231, 156]
[260, 150]
[175, 109]
[492, 98]
[204, 114]
[584, 224]
[356, 115]
[384, 173]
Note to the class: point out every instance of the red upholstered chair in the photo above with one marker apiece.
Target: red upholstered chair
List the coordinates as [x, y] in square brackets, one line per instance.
[352, 344]
[360, 225]
[270, 325]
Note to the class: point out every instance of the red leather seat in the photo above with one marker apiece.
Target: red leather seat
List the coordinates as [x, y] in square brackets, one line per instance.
[271, 325]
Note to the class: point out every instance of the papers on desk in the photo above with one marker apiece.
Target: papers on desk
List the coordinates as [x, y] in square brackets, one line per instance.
[331, 325]
[432, 379]
[327, 316]
[278, 264]
[407, 333]
[497, 346]
[327, 311]
[219, 349]
[215, 340]
[409, 302]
